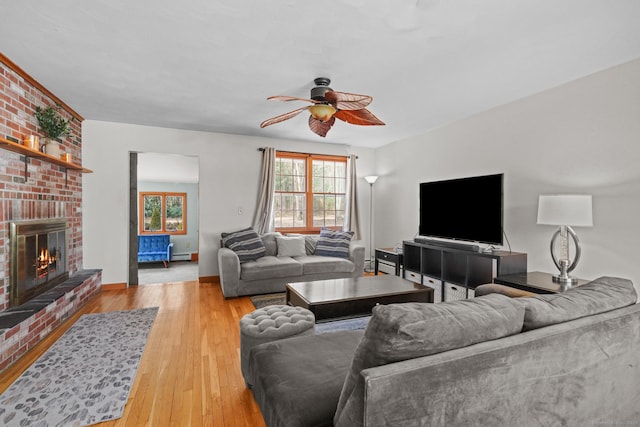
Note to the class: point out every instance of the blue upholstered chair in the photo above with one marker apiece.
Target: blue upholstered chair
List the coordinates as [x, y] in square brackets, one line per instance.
[155, 247]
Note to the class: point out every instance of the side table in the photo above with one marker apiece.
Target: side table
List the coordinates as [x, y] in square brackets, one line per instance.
[388, 255]
[536, 282]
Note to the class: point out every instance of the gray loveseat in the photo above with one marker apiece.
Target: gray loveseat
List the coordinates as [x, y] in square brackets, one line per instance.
[272, 272]
[570, 359]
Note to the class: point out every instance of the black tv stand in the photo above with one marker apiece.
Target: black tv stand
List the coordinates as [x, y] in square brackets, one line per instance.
[454, 273]
[453, 245]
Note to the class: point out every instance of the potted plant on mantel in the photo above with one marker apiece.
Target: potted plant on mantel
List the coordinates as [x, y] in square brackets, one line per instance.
[53, 127]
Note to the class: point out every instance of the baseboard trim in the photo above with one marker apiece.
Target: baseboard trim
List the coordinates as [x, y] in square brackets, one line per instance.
[113, 286]
[210, 279]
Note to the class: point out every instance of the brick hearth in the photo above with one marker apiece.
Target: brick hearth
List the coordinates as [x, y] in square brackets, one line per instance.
[24, 326]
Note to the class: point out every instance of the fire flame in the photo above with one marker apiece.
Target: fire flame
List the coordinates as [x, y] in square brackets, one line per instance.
[44, 261]
[44, 255]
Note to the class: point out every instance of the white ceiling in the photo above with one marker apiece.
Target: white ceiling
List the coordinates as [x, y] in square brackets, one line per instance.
[210, 65]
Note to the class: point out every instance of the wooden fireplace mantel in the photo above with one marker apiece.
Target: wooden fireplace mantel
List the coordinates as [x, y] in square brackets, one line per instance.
[29, 152]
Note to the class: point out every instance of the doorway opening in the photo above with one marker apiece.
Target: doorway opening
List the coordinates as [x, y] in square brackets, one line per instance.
[164, 191]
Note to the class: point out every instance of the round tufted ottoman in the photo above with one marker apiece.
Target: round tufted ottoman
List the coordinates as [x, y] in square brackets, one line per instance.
[268, 324]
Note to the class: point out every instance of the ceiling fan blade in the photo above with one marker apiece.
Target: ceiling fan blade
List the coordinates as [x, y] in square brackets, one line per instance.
[347, 101]
[319, 127]
[291, 98]
[361, 117]
[282, 117]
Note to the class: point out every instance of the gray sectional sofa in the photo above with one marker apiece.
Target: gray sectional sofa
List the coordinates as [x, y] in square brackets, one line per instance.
[271, 273]
[570, 359]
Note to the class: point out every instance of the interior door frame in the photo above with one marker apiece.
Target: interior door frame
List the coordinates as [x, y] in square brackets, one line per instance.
[133, 219]
[133, 279]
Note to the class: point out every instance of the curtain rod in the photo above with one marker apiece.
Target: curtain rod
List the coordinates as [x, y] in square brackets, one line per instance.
[313, 154]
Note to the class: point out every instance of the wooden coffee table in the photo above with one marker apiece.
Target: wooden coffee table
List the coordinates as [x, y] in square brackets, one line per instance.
[352, 297]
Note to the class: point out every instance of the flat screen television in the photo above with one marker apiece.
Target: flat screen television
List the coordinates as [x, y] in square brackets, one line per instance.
[468, 209]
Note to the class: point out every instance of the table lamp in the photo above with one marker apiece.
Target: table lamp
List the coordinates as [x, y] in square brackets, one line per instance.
[566, 211]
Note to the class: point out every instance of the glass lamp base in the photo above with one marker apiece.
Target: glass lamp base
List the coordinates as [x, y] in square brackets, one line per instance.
[564, 263]
[565, 280]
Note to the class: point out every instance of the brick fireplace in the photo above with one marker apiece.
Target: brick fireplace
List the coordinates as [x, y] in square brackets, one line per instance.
[34, 190]
[30, 188]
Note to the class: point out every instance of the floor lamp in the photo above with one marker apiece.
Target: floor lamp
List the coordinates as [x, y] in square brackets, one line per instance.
[371, 179]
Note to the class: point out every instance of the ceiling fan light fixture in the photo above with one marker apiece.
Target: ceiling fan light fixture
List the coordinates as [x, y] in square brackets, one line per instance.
[322, 87]
[327, 106]
[322, 112]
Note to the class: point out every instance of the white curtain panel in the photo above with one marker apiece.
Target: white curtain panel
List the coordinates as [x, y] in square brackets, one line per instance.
[263, 219]
[352, 215]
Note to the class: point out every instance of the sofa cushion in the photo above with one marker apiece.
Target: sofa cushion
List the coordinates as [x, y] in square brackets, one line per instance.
[270, 267]
[334, 243]
[270, 245]
[405, 331]
[297, 381]
[291, 246]
[245, 243]
[598, 296]
[316, 264]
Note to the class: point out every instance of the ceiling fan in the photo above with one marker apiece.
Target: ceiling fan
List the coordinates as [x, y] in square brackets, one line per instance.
[327, 105]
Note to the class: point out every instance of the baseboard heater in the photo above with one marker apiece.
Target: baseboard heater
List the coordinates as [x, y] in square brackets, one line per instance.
[185, 256]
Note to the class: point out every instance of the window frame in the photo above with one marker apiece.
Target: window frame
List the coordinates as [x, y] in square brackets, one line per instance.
[163, 211]
[309, 158]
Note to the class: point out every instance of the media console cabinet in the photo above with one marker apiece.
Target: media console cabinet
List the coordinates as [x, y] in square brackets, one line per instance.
[454, 272]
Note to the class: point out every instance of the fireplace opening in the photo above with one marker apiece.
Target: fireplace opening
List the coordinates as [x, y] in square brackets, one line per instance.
[38, 252]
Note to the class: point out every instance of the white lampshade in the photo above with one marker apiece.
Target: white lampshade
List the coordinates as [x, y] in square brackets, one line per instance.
[574, 210]
[371, 178]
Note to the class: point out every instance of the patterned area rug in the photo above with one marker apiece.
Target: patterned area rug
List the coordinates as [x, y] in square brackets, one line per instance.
[260, 301]
[342, 325]
[85, 377]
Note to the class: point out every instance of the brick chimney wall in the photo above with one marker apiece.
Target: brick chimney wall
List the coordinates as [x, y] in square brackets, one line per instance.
[48, 190]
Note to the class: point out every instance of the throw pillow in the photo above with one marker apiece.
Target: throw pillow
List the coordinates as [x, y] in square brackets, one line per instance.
[600, 295]
[334, 243]
[270, 244]
[406, 331]
[310, 243]
[245, 243]
[290, 246]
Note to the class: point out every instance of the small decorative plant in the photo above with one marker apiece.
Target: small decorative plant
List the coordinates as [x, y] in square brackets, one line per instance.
[51, 123]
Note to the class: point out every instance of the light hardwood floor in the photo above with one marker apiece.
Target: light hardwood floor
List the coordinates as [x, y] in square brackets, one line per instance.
[190, 371]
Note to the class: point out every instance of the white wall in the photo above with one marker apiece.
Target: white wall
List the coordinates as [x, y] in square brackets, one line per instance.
[229, 178]
[582, 137]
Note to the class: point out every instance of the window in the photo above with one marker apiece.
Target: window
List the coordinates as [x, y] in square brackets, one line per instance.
[163, 213]
[310, 192]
